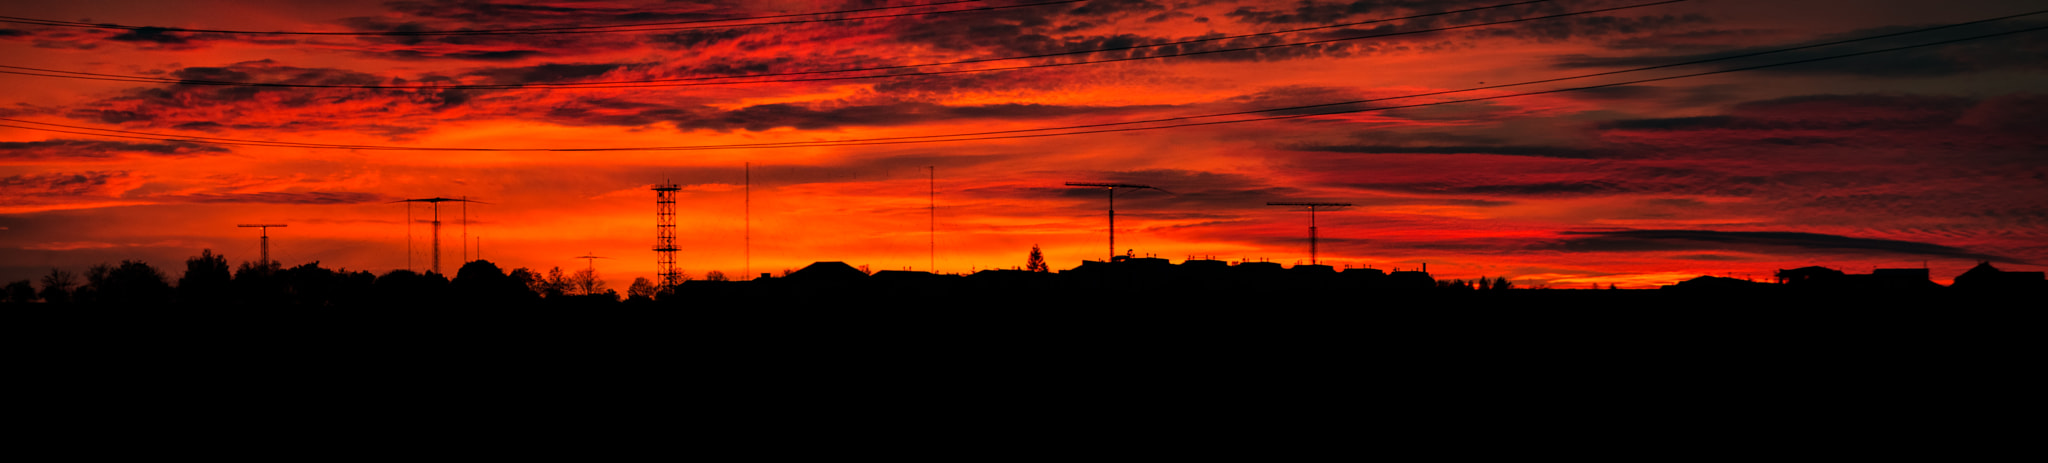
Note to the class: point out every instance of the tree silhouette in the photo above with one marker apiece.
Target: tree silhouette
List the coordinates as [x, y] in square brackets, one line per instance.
[21, 292]
[533, 280]
[641, 289]
[1502, 284]
[206, 280]
[1036, 262]
[353, 289]
[57, 286]
[481, 282]
[555, 285]
[587, 282]
[310, 285]
[407, 288]
[715, 275]
[133, 283]
[259, 284]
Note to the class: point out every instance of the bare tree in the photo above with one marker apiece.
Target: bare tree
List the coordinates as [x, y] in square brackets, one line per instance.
[714, 275]
[57, 286]
[586, 280]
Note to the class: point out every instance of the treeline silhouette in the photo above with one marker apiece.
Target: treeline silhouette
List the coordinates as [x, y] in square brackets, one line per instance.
[1122, 282]
[208, 282]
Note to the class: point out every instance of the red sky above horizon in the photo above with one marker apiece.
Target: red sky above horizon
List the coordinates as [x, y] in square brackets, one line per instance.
[1893, 159]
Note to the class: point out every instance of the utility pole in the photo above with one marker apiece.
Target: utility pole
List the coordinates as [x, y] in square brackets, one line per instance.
[1311, 223]
[1111, 187]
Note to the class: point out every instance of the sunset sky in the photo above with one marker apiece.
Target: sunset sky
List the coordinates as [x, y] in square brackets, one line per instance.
[1934, 155]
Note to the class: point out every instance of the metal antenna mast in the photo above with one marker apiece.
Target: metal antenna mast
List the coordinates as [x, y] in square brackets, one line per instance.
[266, 239]
[593, 270]
[465, 229]
[592, 259]
[932, 195]
[1111, 187]
[436, 201]
[408, 236]
[665, 234]
[746, 193]
[1311, 223]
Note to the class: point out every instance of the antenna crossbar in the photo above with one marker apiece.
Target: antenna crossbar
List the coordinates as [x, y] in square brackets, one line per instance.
[1111, 187]
[1311, 222]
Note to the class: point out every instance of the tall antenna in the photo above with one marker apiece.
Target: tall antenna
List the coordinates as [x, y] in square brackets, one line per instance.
[665, 234]
[408, 237]
[592, 259]
[591, 285]
[266, 239]
[748, 194]
[1111, 187]
[465, 229]
[436, 201]
[1311, 223]
[932, 195]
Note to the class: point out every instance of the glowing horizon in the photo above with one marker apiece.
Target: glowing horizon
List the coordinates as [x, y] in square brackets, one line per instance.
[1925, 156]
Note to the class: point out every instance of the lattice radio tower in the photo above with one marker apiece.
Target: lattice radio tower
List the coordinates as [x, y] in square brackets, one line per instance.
[665, 234]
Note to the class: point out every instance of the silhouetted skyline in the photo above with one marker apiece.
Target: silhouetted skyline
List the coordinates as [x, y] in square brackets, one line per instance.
[1853, 135]
[1122, 281]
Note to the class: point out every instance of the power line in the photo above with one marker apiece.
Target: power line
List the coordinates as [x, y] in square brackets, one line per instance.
[699, 81]
[1015, 134]
[643, 27]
